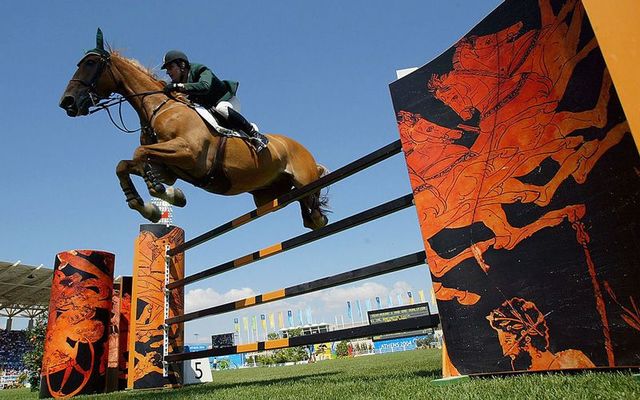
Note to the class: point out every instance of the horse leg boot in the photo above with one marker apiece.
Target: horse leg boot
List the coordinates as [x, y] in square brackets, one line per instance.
[134, 201]
[154, 175]
[237, 121]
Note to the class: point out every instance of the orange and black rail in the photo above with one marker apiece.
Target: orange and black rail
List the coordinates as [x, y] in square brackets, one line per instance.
[384, 267]
[404, 325]
[368, 215]
[296, 194]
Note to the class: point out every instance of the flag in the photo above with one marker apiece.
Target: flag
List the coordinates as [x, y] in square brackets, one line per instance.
[400, 302]
[349, 314]
[280, 320]
[254, 324]
[389, 301]
[421, 294]
[263, 319]
[368, 304]
[410, 297]
[359, 308]
[300, 317]
[290, 318]
[309, 318]
[245, 320]
[378, 302]
[236, 325]
[433, 297]
[272, 322]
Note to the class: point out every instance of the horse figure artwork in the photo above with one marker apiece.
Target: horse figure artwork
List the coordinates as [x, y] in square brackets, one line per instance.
[514, 83]
[177, 144]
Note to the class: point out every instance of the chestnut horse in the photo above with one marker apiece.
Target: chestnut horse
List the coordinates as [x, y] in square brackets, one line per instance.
[177, 144]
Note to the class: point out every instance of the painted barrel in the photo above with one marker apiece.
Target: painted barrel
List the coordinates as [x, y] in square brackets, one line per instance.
[75, 349]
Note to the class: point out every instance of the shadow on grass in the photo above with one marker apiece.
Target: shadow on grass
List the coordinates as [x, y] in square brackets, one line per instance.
[433, 373]
[207, 388]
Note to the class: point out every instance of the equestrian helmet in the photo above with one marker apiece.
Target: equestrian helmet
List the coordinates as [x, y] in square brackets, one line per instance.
[173, 55]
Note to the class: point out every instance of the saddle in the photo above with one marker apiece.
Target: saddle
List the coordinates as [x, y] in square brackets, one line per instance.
[217, 122]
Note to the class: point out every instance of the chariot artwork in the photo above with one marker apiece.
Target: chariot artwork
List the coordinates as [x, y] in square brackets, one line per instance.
[526, 182]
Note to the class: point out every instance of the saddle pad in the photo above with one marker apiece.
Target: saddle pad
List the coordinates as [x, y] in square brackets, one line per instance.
[213, 122]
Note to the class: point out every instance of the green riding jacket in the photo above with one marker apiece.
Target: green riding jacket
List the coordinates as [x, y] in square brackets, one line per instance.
[204, 88]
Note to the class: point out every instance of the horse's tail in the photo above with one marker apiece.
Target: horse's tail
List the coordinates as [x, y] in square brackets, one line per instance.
[323, 196]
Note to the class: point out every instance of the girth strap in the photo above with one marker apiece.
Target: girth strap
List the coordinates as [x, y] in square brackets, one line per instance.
[216, 180]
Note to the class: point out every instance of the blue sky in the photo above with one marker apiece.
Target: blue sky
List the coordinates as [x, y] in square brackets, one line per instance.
[315, 71]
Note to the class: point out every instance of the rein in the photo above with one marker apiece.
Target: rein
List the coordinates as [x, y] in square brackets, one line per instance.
[118, 100]
[115, 99]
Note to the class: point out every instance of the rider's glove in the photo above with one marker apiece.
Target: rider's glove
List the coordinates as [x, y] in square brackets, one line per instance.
[174, 87]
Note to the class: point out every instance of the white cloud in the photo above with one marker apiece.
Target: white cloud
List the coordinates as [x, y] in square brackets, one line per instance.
[198, 299]
[336, 298]
[325, 305]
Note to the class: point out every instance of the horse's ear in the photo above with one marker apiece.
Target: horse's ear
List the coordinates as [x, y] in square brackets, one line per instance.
[99, 40]
[99, 50]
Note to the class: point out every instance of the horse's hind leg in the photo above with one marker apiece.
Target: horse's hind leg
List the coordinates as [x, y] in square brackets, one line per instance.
[311, 207]
[312, 215]
[148, 210]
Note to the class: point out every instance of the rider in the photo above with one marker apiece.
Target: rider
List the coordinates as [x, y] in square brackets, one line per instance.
[203, 87]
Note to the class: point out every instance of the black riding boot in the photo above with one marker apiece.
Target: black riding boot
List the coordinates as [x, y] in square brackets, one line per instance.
[237, 121]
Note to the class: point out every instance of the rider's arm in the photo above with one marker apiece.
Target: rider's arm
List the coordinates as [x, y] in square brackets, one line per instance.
[206, 79]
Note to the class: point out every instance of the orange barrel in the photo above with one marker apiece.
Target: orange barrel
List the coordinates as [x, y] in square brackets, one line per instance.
[75, 349]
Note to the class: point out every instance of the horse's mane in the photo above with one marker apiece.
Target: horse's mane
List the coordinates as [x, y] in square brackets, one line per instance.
[137, 65]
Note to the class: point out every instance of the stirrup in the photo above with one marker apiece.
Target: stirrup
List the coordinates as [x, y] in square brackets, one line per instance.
[259, 142]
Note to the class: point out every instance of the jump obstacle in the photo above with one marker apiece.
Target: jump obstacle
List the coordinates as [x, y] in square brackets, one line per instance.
[154, 315]
[376, 269]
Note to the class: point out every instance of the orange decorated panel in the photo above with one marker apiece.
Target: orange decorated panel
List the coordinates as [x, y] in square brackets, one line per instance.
[76, 342]
[147, 307]
[525, 178]
[119, 335]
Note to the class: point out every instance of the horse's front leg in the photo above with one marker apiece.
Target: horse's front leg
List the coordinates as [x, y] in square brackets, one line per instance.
[155, 175]
[172, 152]
[124, 169]
[158, 157]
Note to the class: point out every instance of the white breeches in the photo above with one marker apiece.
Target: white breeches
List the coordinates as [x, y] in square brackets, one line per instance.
[223, 106]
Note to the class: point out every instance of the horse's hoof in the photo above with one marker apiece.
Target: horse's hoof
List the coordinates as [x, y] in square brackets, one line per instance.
[153, 212]
[314, 224]
[159, 188]
[179, 199]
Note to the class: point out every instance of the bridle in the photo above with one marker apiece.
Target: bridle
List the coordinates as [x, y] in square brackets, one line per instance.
[104, 103]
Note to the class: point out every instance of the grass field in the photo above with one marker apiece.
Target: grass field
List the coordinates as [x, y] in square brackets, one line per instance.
[406, 375]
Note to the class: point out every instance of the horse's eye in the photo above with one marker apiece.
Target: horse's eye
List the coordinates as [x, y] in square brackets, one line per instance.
[90, 63]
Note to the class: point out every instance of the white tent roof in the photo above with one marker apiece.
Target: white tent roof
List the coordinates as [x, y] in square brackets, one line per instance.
[24, 289]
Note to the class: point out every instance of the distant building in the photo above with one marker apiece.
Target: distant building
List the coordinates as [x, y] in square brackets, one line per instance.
[306, 329]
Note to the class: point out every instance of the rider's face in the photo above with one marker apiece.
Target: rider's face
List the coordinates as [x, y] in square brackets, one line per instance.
[174, 72]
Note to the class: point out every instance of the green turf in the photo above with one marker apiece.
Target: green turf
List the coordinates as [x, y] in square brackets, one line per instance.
[406, 375]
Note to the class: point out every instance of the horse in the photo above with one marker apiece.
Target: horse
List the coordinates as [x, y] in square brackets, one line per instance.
[176, 143]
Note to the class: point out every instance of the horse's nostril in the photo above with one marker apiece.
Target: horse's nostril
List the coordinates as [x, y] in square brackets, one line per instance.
[67, 101]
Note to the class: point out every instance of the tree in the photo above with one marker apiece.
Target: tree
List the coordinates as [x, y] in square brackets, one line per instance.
[342, 349]
[224, 364]
[295, 332]
[33, 358]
